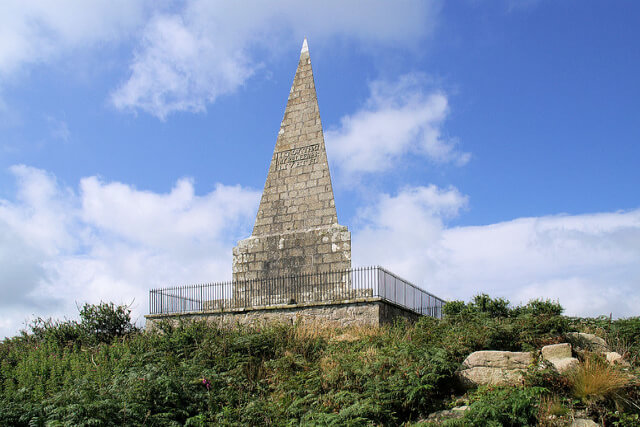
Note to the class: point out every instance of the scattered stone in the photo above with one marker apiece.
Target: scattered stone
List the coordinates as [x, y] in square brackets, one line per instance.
[615, 358]
[559, 355]
[566, 364]
[447, 414]
[589, 342]
[494, 368]
[584, 422]
[556, 351]
[498, 359]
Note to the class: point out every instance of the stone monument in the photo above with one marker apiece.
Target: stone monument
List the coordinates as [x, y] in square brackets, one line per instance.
[296, 230]
[296, 265]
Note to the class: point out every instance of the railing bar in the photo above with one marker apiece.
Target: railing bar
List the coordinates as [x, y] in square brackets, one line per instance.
[332, 285]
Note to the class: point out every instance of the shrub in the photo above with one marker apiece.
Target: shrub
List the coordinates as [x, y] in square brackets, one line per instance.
[195, 373]
[101, 323]
[539, 307]
[495, 307]
[542, 374]
[58, 332]
[504, 407]
[452, 308]
[104, 322]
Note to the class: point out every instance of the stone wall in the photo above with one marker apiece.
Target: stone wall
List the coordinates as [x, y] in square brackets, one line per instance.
[360, 313]
[389, 312]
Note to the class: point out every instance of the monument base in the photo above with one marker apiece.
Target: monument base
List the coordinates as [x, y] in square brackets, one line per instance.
[318, 250]
[363, 312]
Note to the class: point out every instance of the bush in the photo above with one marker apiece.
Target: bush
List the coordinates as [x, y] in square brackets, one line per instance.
[104, 322]
[540, 307]
[58, 332]
[452, 308]
[504, 407]
[101, 323]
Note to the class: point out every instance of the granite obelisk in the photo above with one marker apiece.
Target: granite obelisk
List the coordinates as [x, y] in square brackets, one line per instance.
[296, 230]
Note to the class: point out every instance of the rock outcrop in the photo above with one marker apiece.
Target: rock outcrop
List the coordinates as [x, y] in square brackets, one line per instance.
[494, 368]
[590, 342]
[615, 358]
[584, 422]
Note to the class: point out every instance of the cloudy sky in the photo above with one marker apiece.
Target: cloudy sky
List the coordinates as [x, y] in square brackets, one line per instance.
[475, 146]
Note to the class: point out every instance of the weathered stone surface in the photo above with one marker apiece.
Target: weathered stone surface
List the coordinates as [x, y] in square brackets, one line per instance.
[494, 368]
[589, 342]
[565, 364]
[297, 194]
[482, 375]
[320, 250]
[584, 422]
[615, 358]
[447, 414]
[296, 231]
[498, 359]
[556, 351]
[559, 355]
[365, 313]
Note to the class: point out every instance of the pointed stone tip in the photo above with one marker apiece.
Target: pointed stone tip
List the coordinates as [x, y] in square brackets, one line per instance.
[305, 47]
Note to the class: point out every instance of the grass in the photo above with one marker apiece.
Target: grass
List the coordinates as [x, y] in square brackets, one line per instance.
[306, 373]
[595, 380]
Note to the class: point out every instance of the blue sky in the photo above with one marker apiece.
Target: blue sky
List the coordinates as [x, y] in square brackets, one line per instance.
[475, 146]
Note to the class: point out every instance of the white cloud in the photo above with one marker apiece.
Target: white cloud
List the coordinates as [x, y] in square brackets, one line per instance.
[189, 53]
[41, 31]
[402, 231]
[591, 263]
[111, 242]
[179, 68]
[190, 57]
[398, 119]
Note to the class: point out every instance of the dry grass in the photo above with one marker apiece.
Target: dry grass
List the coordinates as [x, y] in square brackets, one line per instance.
[309, 329]
[551, 413]
[594, 380]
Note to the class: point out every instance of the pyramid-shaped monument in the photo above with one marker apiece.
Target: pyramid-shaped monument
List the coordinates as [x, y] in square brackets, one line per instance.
[296, 265]
[296, 230]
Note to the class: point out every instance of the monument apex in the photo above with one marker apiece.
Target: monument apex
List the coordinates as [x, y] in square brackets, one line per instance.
[297, 193]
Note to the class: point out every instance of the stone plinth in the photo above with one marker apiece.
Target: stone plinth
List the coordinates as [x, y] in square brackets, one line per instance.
[359, 312]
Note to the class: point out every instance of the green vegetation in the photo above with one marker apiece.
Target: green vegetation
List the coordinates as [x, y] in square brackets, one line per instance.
[103, 371]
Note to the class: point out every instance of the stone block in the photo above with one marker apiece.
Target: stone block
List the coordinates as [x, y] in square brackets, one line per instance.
[483, 375]
[556, 351]
[560, 356]
[499, 359]
[584, 422]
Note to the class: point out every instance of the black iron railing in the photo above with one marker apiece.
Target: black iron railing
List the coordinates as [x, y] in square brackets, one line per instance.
[331, 287]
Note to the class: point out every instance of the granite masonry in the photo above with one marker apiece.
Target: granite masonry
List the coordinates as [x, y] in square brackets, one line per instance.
[296, 230]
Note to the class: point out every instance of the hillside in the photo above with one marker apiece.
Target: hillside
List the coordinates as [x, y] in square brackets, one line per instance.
[102, 371]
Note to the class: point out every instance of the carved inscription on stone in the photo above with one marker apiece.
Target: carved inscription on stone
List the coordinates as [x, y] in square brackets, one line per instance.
[297, 157]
